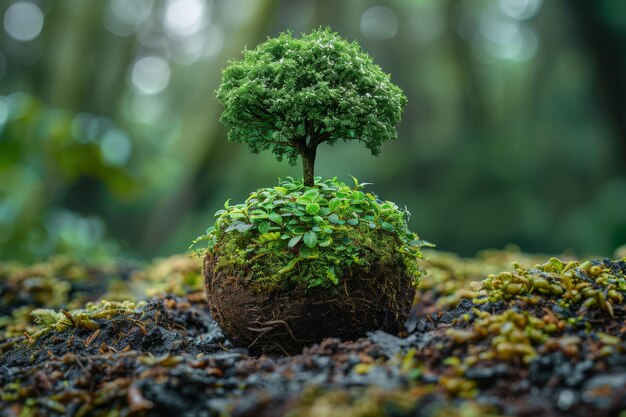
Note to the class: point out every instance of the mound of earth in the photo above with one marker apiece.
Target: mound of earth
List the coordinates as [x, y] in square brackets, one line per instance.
[286, 321]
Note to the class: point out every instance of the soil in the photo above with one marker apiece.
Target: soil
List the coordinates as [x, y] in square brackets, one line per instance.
[284, 322]
[459, 356]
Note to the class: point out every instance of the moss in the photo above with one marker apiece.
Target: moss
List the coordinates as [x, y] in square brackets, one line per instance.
[451, 278]
[296, 236]
[64, 282]
[276, 268]
[551, 310]
[365, 403]
[178, 274]
[61, 320]
[574, 284]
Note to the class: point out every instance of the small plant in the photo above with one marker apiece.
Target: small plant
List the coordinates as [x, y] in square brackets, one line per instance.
[309, 249]
[290, 95]
[331, 227]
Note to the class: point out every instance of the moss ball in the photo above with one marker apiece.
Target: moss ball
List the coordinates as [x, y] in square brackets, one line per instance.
[295, 264]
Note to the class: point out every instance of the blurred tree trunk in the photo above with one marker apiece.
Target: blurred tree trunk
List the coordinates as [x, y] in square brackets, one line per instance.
[76, 27]
[207, 163]
[606, 46]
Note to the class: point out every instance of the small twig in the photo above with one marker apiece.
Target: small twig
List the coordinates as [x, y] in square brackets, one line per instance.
[29, 338]
[69, 317]
[91, 338]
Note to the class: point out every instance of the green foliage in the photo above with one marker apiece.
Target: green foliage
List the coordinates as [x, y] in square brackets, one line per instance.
[311, 235]
[289, 94]
[46, 153]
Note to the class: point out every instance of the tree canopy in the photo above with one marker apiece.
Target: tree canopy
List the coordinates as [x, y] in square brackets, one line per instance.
[288, 95]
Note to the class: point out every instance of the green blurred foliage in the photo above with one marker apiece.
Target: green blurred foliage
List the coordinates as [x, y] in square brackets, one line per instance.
[110, 141]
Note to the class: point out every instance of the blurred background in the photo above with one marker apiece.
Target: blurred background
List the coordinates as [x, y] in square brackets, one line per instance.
[110, 141]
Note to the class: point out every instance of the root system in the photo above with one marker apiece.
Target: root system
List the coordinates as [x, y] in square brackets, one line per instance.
[283, 322]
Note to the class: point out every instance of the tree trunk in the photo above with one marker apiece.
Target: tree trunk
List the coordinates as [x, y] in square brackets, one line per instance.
[308, 163]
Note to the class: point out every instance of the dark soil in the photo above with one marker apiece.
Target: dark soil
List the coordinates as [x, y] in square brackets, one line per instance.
[519, 355]
[284, 322]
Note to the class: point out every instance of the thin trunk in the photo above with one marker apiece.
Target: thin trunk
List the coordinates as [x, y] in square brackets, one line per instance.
[308, 163]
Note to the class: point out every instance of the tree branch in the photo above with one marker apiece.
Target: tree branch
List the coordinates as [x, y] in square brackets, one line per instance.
[319, 139]
[262, 135]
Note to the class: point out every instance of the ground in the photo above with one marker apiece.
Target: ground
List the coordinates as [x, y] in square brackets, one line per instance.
[500, 334]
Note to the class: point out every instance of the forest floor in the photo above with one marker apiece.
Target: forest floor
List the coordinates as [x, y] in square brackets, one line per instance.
[501, 334]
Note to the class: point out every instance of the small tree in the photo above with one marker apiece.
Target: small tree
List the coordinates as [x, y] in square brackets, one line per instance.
[290, 95]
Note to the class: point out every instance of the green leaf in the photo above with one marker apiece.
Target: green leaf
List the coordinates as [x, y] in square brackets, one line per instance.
[353, 222]
[308, 253]
[324, 211]
[304, 200]
[387, 226]
[276, 218]
[268, 237]
[330, 273]
[356, 182]
[258, 212]
[358, 196]
[326, 243]
[281, 190]
[299, 230]
[227, 204]
[312, 193]
[312, 208]
[289, 266]
[333, 218]
[334, 204]
[294, 241]
[264, 227]
[310, 239]
[239, 226]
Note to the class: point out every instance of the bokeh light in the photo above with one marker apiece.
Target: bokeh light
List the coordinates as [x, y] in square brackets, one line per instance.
[520, 9]
[379, 22]
[122, 17]
[23, 21]
[115, 147]
[185, 17]
[150, 74]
